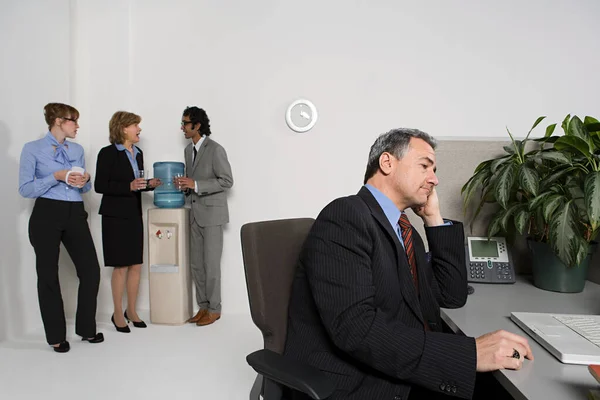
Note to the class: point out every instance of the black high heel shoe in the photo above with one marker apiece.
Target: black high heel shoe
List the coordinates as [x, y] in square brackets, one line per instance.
[62, 347]
[98, 338]
[122, 329]
[139, 324]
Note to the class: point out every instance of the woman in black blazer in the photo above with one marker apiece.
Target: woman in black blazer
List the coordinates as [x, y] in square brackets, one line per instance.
[118, 179]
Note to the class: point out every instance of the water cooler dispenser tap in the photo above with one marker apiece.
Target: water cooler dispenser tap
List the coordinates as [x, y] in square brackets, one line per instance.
[158, 234]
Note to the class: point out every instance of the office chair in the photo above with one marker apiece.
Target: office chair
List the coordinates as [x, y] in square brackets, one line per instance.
[270, 251]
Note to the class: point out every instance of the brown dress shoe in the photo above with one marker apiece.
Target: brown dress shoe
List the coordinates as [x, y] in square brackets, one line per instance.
[208, 319]
[201, 313]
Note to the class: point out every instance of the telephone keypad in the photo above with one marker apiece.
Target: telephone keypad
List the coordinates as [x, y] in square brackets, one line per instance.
[479, 270]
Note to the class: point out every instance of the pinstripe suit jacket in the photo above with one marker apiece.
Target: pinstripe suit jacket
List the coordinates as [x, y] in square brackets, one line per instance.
[355, 314]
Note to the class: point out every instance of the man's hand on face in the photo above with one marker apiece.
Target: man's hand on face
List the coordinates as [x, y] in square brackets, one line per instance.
[430, 211]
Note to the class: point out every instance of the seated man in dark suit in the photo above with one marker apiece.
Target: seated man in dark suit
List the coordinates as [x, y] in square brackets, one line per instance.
[365, 304]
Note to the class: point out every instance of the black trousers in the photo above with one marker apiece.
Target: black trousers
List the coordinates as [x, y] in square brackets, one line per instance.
[53, 222]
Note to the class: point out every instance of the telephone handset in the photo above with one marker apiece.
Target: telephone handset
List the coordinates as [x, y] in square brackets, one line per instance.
[489, 260]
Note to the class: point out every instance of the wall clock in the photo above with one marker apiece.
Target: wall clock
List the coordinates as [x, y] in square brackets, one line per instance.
[301, 115]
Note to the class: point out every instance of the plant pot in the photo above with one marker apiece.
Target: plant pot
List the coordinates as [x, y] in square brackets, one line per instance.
[550, 273]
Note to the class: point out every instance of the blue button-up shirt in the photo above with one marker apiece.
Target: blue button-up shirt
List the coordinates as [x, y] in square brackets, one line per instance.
[391, 211]
[38, 165]
[132, 158]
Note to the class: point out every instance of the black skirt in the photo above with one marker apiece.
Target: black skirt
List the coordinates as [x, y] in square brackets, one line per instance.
[122, 241]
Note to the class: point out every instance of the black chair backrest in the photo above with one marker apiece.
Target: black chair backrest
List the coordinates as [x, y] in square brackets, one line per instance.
[270, 250]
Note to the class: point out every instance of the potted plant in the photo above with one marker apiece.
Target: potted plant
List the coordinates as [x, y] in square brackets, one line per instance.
[548, 189]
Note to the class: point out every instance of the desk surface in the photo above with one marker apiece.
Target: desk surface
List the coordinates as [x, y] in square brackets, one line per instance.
[488, 309]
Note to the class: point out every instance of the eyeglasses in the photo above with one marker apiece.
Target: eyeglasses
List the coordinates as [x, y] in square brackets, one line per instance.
[184, 123]
[70, 119]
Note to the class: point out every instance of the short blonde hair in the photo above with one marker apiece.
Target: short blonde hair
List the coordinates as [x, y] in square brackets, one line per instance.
[119, 121]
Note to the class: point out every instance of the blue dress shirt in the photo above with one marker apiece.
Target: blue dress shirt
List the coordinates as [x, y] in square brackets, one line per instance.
[132, 158]
[391, 211]
[40, 160]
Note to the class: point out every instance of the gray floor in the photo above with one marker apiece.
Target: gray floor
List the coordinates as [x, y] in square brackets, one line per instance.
[160, 362]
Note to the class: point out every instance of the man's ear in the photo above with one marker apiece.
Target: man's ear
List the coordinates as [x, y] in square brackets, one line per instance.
[386, 163]
[197, 127]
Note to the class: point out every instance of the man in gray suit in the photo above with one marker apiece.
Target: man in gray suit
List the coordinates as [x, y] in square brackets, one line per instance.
[208, 176]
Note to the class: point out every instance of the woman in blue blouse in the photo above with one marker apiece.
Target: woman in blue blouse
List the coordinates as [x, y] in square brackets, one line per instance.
[50, 172]
[118, 180]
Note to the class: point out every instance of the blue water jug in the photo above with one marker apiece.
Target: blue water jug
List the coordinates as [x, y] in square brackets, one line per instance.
[167, 195]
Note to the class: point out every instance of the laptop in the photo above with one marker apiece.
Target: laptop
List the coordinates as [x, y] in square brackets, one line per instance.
[573, 339]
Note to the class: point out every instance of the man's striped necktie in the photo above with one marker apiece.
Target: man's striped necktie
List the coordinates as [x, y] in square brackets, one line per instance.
[407, 231]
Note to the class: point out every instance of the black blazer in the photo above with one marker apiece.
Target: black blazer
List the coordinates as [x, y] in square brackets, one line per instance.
[355, 314]
[113, 177]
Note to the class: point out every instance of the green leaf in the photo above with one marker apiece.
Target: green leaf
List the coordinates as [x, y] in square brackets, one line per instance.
[574, 189]
[557, 174]
[555, 156]
[550, 130]
[551, 139]
[592, 124]
[531, 154]
[518, 146]
[593, 129]
[484, 198]
[529, 179]
[551, 204]
[574, 144]
[509, 149]
[565, 236]
[482, 165]
[462, 190]
[537, 122]
[577, 129]
[591, 190]
[498, 162]
[565, 123]
[521, 220]
[538, 201]
[506, 214]
[472, 185]
[506, 178]
[556, 188]
[521, 147]
[495, 225]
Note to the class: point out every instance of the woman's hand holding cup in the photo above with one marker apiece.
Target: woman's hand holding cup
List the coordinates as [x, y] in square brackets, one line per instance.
[154, 182]
[138, 184]
[77, 177]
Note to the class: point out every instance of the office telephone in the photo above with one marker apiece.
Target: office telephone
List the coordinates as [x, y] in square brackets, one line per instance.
[489, 260]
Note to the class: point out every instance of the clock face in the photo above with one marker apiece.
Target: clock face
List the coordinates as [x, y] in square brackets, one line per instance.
[301, 115]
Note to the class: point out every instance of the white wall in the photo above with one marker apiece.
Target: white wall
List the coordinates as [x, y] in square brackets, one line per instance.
[35, 67]
[454, 69]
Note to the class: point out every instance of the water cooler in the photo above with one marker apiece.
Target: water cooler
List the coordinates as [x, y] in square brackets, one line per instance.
[170, 277]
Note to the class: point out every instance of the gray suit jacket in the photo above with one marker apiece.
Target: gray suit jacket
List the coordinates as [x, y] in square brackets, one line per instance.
[212, 174]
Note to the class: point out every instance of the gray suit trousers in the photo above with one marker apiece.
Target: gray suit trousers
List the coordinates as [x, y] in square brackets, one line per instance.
[206, 248]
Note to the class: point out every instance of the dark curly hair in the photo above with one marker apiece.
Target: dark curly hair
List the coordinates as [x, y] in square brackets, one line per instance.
[198, 115]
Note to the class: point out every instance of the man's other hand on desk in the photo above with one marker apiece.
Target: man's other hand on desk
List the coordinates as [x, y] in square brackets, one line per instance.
[501, 350]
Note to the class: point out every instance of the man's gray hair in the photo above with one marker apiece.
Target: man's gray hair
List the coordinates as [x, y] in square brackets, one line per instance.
[396, 143]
